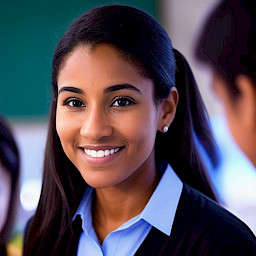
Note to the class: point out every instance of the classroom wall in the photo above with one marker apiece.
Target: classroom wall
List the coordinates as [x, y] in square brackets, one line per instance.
[29, 31]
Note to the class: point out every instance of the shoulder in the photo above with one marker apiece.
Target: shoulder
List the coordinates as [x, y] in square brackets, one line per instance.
[207, 211]
[201, 227]
[205, 223]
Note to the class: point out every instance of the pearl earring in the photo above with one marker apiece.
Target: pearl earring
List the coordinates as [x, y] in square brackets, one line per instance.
[165, 129]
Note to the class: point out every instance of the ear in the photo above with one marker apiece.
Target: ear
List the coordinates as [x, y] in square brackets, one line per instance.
[247, 101]
[168, 109]
[244, 107]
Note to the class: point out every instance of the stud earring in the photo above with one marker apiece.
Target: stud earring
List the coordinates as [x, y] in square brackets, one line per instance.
[165, 129]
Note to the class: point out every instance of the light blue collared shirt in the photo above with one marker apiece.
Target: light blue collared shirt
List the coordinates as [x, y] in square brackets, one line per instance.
[125, 240]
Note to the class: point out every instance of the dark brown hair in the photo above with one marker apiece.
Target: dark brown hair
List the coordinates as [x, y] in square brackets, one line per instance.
[228, 42]
[147, 45]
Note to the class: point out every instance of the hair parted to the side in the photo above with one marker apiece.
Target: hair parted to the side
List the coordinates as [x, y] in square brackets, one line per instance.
[144, 43]
[228, 42]
[10, 160]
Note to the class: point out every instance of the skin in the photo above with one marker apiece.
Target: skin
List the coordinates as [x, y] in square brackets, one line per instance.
[240, 113]
[5, 193]
[98, 114]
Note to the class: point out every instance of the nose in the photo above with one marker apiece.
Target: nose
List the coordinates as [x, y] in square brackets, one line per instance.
[96, 124]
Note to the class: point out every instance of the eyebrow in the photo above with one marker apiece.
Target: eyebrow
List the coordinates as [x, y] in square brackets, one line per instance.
[121, 87]
[107, 90]
[70, 89]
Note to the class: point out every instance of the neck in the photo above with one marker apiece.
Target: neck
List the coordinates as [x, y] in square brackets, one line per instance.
[114, 206]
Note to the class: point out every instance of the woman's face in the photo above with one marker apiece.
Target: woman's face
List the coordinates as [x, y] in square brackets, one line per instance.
[5, 193]
[106, 117]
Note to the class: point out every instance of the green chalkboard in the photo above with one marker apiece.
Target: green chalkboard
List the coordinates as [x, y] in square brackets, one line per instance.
[29, 31]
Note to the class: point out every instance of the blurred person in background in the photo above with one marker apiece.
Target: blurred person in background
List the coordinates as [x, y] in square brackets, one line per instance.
[9, 176]
[228, 45]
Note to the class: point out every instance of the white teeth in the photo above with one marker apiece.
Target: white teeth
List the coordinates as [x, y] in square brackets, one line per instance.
[93, 153]
[100, 153]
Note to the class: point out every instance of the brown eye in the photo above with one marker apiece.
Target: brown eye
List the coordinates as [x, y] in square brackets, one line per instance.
[74, 103]
[122, 102]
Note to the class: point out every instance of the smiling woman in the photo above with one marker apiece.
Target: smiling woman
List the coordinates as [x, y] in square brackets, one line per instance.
[121, 156]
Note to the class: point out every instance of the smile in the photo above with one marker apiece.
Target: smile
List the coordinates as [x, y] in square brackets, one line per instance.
[101, 153]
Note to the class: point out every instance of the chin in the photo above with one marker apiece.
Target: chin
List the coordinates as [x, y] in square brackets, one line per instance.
[99, 181]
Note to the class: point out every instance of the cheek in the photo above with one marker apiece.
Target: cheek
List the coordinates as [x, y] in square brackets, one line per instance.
[65, 128]
[141, 130]
[61, 126]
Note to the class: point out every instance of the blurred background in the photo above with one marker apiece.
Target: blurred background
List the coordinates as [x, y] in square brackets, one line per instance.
[30, 29]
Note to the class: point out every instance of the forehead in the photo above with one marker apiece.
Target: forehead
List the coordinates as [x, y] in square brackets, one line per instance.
[103, 63]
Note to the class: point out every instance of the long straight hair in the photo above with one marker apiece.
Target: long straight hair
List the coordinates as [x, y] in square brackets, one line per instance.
[144, 43]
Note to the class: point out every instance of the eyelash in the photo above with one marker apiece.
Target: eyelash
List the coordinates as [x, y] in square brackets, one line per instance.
[128, 101]
[68, 102]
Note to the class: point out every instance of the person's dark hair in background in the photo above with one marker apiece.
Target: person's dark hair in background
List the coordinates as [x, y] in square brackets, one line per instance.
[9, 162]
[228, 44]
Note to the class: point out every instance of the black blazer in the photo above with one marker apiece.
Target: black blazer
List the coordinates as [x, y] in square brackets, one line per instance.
[201, 227]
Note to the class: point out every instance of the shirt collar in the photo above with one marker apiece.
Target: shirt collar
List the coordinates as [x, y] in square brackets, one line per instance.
[161, 207]
[85, 209]
[159, 211]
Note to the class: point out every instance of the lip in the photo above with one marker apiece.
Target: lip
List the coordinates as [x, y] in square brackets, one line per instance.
[97, 148]
[101, 160]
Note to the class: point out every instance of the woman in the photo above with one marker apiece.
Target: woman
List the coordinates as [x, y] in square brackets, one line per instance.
[9, 175]
[228, 45]
[114, 137]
